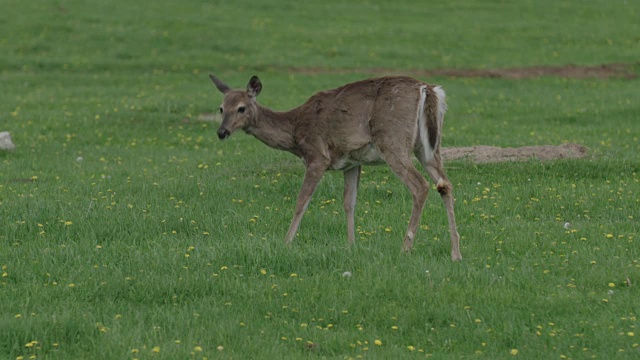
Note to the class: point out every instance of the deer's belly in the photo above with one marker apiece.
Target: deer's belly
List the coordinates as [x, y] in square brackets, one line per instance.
[366, 155]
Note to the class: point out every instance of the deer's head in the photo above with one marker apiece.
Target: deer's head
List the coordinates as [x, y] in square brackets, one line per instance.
[238, 106]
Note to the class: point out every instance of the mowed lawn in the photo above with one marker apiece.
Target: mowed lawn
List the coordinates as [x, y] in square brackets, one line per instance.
[129, 231]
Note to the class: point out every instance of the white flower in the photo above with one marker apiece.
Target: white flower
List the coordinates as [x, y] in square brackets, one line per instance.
[567, 225]
[346, 274]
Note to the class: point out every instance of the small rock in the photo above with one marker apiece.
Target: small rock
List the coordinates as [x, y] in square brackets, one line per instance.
[310, 346]
[5, 141]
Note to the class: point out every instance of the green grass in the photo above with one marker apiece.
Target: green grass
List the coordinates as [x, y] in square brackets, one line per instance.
[127, 230]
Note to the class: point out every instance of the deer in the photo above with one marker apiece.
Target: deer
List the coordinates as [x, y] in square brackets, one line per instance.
[368, 122]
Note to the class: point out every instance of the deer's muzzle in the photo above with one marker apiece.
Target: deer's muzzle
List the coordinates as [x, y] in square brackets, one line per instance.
[223, 133]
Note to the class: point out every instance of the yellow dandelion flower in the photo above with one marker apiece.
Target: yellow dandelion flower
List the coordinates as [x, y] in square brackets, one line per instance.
[197, 349]
[514, 352]
[377, 342]
[263, 271]
[411, 348]
[612, 285]
[156, 349]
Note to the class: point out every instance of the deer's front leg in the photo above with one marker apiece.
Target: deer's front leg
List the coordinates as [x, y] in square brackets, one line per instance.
[351, 180]
[312, 177]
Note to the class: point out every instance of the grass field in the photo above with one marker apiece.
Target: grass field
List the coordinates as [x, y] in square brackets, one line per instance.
[128, 230]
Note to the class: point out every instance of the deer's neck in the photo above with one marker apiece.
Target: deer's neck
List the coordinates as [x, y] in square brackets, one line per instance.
[274, 128]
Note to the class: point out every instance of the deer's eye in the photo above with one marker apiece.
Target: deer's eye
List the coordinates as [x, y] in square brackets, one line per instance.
[241, 109]
[221, 111]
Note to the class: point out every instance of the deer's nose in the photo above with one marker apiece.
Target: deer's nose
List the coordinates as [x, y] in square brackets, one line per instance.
[223, 133]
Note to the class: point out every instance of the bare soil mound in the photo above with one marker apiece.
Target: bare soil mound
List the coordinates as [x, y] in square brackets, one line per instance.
[566, 71]
[492, 154]
[602, 71]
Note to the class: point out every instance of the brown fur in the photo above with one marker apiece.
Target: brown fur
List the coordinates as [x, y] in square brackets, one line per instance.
[366, 122]
[431, 110]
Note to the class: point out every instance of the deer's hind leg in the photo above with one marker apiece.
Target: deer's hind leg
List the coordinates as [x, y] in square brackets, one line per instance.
[435, 168]
[403, 167]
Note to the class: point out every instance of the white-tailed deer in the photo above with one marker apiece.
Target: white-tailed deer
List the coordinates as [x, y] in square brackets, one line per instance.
[366, 122]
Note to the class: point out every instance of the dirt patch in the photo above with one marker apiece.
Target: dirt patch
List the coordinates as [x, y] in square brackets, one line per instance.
[492, 154]
[603, 71]
[567, 71]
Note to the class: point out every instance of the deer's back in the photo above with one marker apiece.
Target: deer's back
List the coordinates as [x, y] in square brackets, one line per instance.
[355, 120]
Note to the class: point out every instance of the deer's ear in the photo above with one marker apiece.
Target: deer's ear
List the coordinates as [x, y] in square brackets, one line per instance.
[219, 84]
[254, 86]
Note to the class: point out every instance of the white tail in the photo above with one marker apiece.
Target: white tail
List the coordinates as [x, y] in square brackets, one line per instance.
[366, 122]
